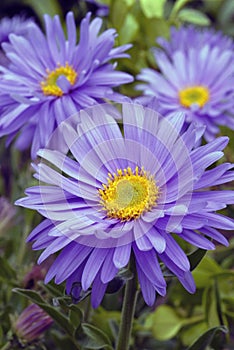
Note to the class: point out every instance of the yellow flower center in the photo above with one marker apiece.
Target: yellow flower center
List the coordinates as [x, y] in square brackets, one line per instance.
[50, 87]
[128, 194]
[194, 94]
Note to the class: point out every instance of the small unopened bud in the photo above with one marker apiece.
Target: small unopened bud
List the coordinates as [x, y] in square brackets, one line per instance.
[32, 323]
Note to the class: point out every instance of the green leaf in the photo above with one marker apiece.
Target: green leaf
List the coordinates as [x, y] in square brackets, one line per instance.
[105, 319]
[97, 339]
[57, 316]
[129, 29]
[1, 335]
[205, 272]
[178, 6]
[164, 323]
[6, 271]
[210, 307]
[152, 8]
[53, 290]
[206, 338]
[196, 257]
[119, 11]
[44, 6]
[192, 333]
[193, 16]
[75, 316]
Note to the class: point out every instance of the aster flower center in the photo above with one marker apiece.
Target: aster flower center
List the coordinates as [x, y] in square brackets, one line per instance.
[128, 194]
[50, 85]
[194, 94]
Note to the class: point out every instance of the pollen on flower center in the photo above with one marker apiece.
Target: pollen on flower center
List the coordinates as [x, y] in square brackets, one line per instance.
[194, 94]
[128, 194]
[49, 85]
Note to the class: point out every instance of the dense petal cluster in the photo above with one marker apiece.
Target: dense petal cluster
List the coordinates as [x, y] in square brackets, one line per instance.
[196, 76]
[51, 77]
[117, 194]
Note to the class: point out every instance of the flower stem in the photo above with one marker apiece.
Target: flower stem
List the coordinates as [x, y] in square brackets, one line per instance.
[129, 303]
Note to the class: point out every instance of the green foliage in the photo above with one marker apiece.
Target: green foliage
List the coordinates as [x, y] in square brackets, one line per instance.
[56, 315]
[164, 322]
[96, 339]
[180, 321]
[178, 5]
[41, 7]
[206, 338]
[194, 16]
[152, 8]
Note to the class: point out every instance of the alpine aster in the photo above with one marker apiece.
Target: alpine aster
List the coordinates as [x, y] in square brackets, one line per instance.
[51, 77]
[114, 195]
[196, 77]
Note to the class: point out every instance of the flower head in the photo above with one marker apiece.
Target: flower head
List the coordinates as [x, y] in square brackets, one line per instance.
[121, 194]
[51, 77]
[32, 323]
[197, 77]
[187, 37]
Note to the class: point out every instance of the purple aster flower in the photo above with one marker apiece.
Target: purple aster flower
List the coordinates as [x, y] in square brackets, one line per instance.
[197, 77]
[51, 77]
[117, 194]
[187, 37]
[32, 323]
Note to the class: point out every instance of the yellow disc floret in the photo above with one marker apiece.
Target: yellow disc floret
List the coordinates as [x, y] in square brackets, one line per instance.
[194, 94]
[128, 194]
[49, 85]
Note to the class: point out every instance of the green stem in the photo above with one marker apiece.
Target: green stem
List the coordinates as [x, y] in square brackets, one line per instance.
[129, 303]
[22, 246]
[7, 346]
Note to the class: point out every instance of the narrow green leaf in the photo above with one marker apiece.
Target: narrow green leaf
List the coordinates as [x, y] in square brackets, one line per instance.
[194, 16]
[179, 4]
[196, 257]
[118, 13]
[152, 8]
[75, 315]
[206, 338]
[97, 339]
[57, 316]
[53, 290]
[44, 6]
[129, 29]
[6, 271]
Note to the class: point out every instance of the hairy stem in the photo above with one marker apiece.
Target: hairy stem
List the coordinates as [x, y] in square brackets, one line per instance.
[129, 303]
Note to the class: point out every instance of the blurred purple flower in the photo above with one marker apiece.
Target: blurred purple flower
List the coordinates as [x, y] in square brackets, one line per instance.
[32, 323]
[197, 77]
[51, 77]
[185, 38]
[121, 195]
[15, 25]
